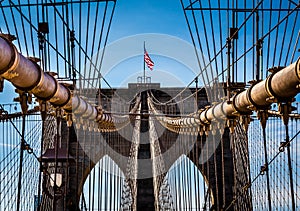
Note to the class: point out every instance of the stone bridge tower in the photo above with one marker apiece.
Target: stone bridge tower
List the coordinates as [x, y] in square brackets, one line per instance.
[222, 176]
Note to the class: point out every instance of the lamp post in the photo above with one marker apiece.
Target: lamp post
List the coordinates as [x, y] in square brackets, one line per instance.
[56, 178]
[56, 182]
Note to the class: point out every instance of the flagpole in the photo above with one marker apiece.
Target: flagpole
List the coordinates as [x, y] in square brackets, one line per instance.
[144, 64]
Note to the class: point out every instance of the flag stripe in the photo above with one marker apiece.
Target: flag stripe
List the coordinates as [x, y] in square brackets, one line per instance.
[148, 60]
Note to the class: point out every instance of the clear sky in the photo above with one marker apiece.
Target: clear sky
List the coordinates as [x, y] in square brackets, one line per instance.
[142, 18]
[149, 16]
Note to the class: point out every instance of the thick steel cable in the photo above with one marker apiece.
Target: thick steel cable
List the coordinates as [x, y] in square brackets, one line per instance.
[171, 101]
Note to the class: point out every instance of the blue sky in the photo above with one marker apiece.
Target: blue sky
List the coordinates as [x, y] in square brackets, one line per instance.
[149, 16]
[143, 17]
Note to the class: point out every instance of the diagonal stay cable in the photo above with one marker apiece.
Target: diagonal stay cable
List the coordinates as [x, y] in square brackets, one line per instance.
[267, 34]
[29, 150]
[48, 42]
[281, 149]
[19, 133]
[231, 37]
[222, 48]
[87, 57]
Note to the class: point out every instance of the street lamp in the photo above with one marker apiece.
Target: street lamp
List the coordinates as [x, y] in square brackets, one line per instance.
[57, 179]
[55, 164]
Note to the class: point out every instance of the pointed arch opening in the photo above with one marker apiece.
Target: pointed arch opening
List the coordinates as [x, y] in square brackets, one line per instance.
[105, 188]
[184, 187]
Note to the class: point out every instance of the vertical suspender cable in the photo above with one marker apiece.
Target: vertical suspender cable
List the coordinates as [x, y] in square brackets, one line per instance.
[99, 178]
[57, 144]
[77, 168]
[82, 165]
[94, 168]
[43, 116]
[216, 173]
[66, 167]
[90, 169]
[285, 35]
[86, 40]
[290, 166]
[232, 43]
[233, 151]
[21, 160]
[258, 46]
[207, 172]
[228, 68]
[68, 43]
[263, 124]
[202, 166]
[223, 173]
[197, 170]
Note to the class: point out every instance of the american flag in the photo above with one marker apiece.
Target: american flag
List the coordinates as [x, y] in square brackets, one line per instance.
[148, 60]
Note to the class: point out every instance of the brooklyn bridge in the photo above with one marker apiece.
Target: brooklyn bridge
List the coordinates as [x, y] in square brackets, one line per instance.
[149, 105]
